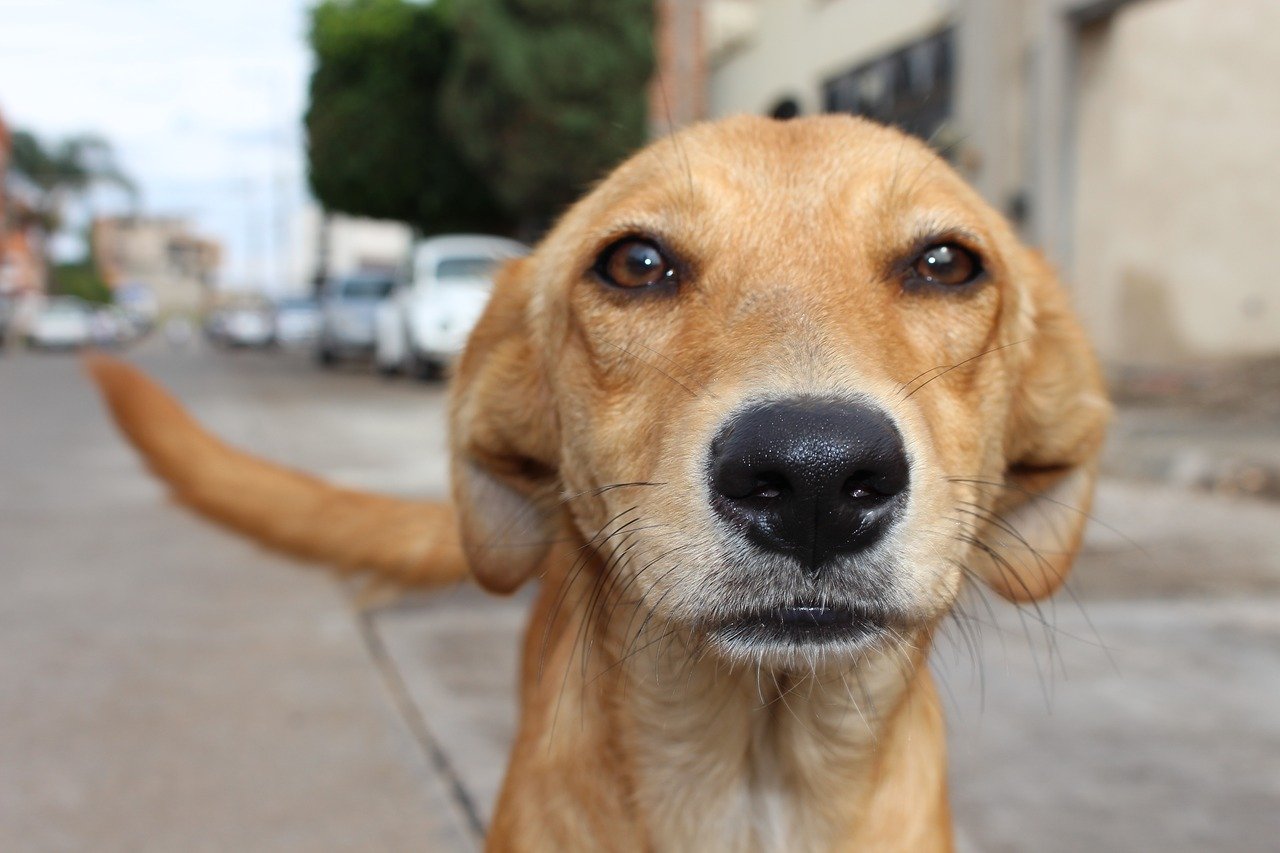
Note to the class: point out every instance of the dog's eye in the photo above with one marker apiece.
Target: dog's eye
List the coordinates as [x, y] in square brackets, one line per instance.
[634, 263]
[947, 264]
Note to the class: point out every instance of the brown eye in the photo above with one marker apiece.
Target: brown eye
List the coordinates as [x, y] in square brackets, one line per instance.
[634, 263]
[947, 264]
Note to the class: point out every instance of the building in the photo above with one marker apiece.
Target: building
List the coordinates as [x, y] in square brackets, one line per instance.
[1134, 140]
[160, 253]
[334, 244]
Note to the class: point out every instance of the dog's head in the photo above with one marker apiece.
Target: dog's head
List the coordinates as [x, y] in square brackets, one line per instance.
[793, 381]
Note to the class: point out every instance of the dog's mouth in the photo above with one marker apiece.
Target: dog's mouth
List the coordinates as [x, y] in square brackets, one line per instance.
[802, 625]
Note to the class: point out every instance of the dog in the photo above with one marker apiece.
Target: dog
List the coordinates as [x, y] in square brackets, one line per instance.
[753, 412]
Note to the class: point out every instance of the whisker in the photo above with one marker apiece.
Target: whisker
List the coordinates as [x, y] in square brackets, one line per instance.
[958, 364]
[648, 364]
[1043, 497]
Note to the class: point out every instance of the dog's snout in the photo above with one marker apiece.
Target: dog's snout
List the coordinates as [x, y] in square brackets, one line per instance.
[813, 478]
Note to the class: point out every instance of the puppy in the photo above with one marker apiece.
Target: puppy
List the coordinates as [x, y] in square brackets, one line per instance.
[753, 412]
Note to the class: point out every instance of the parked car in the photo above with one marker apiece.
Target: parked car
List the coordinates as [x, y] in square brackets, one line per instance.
[241, 323]
[347, 308]
[62, 323]
[424, 325]
[297, 320]
[139, 304]
[109, 326]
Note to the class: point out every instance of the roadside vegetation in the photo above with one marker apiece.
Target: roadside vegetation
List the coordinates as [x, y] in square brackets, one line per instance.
[473, 115]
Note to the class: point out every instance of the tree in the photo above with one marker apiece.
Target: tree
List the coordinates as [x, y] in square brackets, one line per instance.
[59, 173]
[81, 279]
[546, 95]
[375, 144]
[64, 170]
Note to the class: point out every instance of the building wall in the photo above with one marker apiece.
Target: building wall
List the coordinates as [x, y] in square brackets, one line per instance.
[160, 252]
[1178, 179]
[767, 50]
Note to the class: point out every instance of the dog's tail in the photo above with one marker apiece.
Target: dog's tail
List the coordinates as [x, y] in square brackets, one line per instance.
[412, 543]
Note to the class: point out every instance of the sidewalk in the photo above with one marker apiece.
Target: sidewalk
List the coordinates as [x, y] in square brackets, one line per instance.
[167, 686]
[1210, 427]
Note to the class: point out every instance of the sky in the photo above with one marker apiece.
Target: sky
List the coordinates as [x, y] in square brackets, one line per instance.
[202, 100]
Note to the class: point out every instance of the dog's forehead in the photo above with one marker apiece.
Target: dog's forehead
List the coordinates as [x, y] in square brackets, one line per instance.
[827, 149]
[834, 167]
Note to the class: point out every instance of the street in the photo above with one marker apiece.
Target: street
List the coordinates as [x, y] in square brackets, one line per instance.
[168, 686]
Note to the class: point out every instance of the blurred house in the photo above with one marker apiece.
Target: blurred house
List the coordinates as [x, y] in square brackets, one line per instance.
[23, 271]
[1135, 140]
[160, 253]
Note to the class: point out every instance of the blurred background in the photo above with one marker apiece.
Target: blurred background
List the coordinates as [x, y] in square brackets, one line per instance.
[290, 212]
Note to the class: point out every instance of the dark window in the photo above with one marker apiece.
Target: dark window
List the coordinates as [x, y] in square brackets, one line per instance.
[910, 88]
[366, 287]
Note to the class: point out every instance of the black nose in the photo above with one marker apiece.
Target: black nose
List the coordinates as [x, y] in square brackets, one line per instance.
[811, 477]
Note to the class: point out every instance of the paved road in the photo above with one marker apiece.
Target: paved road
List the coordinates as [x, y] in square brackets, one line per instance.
[166, 686]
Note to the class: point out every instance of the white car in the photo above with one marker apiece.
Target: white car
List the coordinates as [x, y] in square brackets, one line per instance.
[109, 326]
[248, 326]
[426, 322]
[63, 323]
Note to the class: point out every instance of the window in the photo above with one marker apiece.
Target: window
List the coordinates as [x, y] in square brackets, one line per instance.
[366, 287]
[910, 88]
[466, 268]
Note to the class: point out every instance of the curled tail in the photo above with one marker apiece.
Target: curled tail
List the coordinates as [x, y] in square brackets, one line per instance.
[412, 543]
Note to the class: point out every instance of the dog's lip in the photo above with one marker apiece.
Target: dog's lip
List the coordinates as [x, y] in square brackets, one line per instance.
[803, 623]
[813, 615]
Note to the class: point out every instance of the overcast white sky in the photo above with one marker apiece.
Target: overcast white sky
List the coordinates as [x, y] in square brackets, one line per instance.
[202, 99]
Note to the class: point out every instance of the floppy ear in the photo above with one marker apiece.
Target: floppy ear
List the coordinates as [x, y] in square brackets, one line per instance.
[1056, 427]
[504, 440]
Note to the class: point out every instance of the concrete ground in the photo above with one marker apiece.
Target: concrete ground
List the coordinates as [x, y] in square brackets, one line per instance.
[166, 686]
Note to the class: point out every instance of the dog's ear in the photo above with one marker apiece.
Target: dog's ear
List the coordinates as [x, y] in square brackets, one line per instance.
[504, 439]
[1055, 432]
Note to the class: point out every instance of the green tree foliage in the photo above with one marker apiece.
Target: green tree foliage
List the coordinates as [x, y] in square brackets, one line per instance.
[60, 172]
[82, 280]
[376, 146]
[63, 170]
[546, 95]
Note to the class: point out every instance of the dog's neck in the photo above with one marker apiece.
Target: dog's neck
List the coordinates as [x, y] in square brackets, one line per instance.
[703, 756]
[760, 759]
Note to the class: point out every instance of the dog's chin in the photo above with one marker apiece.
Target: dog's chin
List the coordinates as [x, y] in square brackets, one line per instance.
[807, 633]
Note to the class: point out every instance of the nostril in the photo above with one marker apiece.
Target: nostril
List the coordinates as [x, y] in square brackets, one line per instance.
[769, 485]
[859, 488]
[868, 486]
[738, 483]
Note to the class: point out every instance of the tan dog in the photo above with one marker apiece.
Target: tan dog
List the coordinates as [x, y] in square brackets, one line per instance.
[753, 412]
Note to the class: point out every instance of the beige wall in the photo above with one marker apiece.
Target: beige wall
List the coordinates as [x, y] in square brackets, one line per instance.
[1177, 200]
[787, 48]
[354, 243]
[160, 252]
